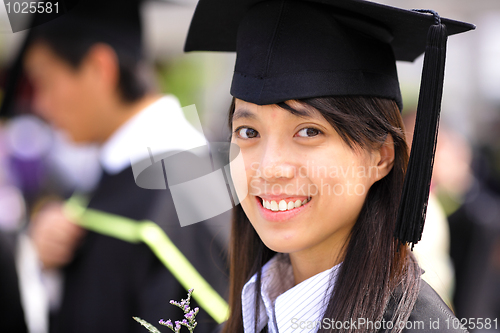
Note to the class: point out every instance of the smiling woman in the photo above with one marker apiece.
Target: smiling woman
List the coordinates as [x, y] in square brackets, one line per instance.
[304, 213]
[320, 242]
[285, 148]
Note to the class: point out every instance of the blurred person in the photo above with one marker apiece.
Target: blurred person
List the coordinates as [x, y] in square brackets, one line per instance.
[90, 80]
[433, 251]
[11, 312]
[473, 210]
[474, 229]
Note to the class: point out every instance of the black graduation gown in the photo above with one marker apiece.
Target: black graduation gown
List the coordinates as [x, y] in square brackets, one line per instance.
[11, 311]
[110, 280]
[429, 315]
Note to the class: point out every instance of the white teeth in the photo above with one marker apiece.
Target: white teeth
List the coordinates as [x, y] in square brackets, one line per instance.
[282, 205]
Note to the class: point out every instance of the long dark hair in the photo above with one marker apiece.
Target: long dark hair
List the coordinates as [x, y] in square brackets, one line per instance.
[376, 269]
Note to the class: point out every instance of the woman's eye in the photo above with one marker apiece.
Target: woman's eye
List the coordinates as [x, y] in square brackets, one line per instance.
[247, 133]
[308, 132]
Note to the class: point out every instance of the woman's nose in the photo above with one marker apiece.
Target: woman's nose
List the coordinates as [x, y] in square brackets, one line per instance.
[276, 163]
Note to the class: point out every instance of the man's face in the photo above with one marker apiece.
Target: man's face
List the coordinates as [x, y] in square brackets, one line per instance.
[65, 96]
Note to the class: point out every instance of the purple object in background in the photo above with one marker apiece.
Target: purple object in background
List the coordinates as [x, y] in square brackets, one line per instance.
[28, 141]
[28, 175]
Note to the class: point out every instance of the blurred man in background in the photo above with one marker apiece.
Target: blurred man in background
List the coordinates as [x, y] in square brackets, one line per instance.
[11, 312]
[89, 77]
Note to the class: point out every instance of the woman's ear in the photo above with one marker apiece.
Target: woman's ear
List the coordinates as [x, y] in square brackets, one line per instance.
[385, 158]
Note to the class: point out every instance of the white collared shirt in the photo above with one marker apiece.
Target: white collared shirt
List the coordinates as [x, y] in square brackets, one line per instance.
[160, 127]
[285, 307]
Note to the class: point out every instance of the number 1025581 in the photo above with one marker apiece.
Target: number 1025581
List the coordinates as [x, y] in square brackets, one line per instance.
[31, 7]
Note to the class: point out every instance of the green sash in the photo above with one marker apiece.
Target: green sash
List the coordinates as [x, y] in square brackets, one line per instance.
[151, 234]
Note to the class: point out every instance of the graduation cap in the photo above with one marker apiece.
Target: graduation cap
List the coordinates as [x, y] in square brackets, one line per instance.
[293, 49]
[114, 22]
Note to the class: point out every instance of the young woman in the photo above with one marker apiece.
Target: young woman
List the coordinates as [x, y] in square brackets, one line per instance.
[320, 241]
[343, 180]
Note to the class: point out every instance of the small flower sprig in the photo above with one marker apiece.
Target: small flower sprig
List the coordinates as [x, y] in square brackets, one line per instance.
[189, 317]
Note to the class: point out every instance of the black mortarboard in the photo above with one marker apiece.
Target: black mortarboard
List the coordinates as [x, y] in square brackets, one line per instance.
[293, 49]
[114, 22]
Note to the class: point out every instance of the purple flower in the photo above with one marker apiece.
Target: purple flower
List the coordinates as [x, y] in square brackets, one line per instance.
[167, 323]
[189, 316]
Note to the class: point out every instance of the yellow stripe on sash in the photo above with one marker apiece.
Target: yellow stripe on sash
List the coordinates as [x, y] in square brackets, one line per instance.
[151, 234]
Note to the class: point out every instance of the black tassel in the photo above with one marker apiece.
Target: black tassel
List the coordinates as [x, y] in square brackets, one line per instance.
[413, 205]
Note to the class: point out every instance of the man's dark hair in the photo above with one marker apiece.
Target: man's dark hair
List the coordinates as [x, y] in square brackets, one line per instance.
[72, 43]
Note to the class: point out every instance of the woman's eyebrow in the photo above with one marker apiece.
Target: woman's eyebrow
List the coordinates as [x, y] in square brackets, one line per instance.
[303, 113]
[300, 111]
[243, 113]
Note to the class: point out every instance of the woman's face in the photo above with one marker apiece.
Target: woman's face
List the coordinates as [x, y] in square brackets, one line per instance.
[306, 187]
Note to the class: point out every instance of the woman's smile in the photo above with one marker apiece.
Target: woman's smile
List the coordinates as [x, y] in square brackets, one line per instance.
[278, 209]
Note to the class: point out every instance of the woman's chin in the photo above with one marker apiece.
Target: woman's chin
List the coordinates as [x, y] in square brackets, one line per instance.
[282, 245]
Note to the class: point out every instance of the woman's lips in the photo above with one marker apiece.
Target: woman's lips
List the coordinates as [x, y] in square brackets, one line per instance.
[282, 210]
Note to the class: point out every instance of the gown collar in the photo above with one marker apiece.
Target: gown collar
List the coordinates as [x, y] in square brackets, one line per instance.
[283, 306]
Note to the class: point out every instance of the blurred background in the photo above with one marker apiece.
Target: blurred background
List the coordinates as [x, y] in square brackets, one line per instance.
[37, 161]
